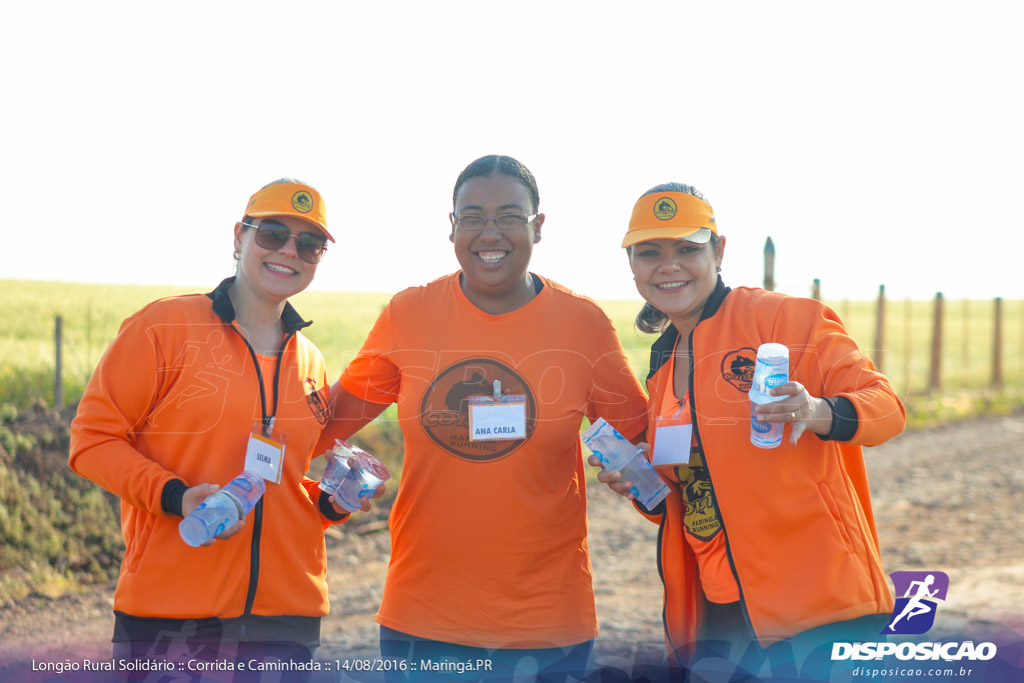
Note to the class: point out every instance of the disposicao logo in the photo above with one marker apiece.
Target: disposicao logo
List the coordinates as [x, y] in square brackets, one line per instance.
[914, 613]
[917, 602]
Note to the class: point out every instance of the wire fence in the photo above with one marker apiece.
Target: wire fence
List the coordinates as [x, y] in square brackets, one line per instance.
[49, 349]
[932, 346]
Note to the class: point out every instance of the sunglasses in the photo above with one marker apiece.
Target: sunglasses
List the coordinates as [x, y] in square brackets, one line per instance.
[272, 235]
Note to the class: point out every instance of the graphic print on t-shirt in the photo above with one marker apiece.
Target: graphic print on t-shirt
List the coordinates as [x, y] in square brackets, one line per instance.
[444, 411]
[701, 518]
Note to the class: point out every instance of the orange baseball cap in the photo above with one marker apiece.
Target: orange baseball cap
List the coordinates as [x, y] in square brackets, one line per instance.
[290, 199]
[670, 215]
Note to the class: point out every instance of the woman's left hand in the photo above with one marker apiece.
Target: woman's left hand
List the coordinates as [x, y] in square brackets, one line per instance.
[364, 503]
[800, 408]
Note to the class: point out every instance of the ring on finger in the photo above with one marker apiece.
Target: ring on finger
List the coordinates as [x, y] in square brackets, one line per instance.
[792, 416]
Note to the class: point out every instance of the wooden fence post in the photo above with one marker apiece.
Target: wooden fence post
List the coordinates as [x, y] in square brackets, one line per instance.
[997, 346]
[88, 332]
[816, 289]
[769, 265]
[907, 347]
[935, 378]
[58, 380]
[965, 358]
[880, 328]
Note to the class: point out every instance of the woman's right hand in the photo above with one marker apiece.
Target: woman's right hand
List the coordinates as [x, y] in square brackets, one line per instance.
[194, 497]
[612, 478]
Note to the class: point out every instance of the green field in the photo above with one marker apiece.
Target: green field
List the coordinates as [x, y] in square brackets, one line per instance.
[92, 314]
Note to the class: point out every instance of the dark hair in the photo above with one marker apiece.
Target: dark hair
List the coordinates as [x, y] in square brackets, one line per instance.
[287, 181]
[496, 163]
[650, 319]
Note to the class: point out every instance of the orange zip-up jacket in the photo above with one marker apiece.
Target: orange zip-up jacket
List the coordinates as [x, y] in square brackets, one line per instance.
[799, 529]
[172, 404]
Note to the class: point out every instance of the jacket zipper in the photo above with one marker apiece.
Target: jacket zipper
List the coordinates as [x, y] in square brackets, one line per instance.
[267, 420]
[714, 498]
[661, 575]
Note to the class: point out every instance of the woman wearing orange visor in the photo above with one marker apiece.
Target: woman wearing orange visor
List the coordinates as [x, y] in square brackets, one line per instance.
[764, 553]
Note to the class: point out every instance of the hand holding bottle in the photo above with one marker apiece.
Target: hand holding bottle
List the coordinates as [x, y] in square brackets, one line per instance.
[364, 503]
[221, 514]
[352, 477]
[194, 497]
[613, 478]
[792, 403]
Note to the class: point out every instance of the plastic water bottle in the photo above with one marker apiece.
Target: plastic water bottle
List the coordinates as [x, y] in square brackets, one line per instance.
[770, 370]
[223, 509]
[616, 453]
[352, 474]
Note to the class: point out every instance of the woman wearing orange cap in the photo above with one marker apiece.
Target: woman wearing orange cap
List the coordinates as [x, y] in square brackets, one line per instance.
[493, 369]
[761, 550]
[192, 391]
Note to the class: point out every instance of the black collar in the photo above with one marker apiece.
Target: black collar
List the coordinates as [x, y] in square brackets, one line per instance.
[664, 345]
[224, 309]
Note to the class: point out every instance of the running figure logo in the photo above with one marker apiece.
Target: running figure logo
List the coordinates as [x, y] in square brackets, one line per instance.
[914, 612]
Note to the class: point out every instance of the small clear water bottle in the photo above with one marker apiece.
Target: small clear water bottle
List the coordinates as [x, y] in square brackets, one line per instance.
[770, 370]
[616, 453]
[352, 474]
[223, 509]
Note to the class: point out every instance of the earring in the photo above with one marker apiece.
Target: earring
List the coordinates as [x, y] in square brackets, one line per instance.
[718, 269]
[237, 255]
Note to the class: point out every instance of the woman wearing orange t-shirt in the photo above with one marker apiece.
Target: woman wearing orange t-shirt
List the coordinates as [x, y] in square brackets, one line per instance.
[493, 369]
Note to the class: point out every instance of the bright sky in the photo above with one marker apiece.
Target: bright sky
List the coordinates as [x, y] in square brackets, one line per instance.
[875, 142]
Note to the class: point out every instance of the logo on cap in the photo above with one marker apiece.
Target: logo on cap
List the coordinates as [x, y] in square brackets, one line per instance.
[664, 209]
[302, 201]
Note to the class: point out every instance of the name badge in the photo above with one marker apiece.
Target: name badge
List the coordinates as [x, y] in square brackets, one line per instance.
[672, 445]
[497, 419]
[264, 456]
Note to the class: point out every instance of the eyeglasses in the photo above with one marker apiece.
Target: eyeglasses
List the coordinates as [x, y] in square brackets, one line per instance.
[273, 235]
[508, 221]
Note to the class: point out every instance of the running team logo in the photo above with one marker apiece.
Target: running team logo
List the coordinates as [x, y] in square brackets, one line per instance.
[444, 411]
[665, 208]
[738, 368]
[701, 518]
[914, 612]
[317, 405]
[302, 201]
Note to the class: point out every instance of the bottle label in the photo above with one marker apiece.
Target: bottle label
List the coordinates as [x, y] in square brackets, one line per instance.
[764, 434]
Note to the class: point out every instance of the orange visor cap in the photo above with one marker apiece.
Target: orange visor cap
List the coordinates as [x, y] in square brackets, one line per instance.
[670, 215]
[290, 199]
